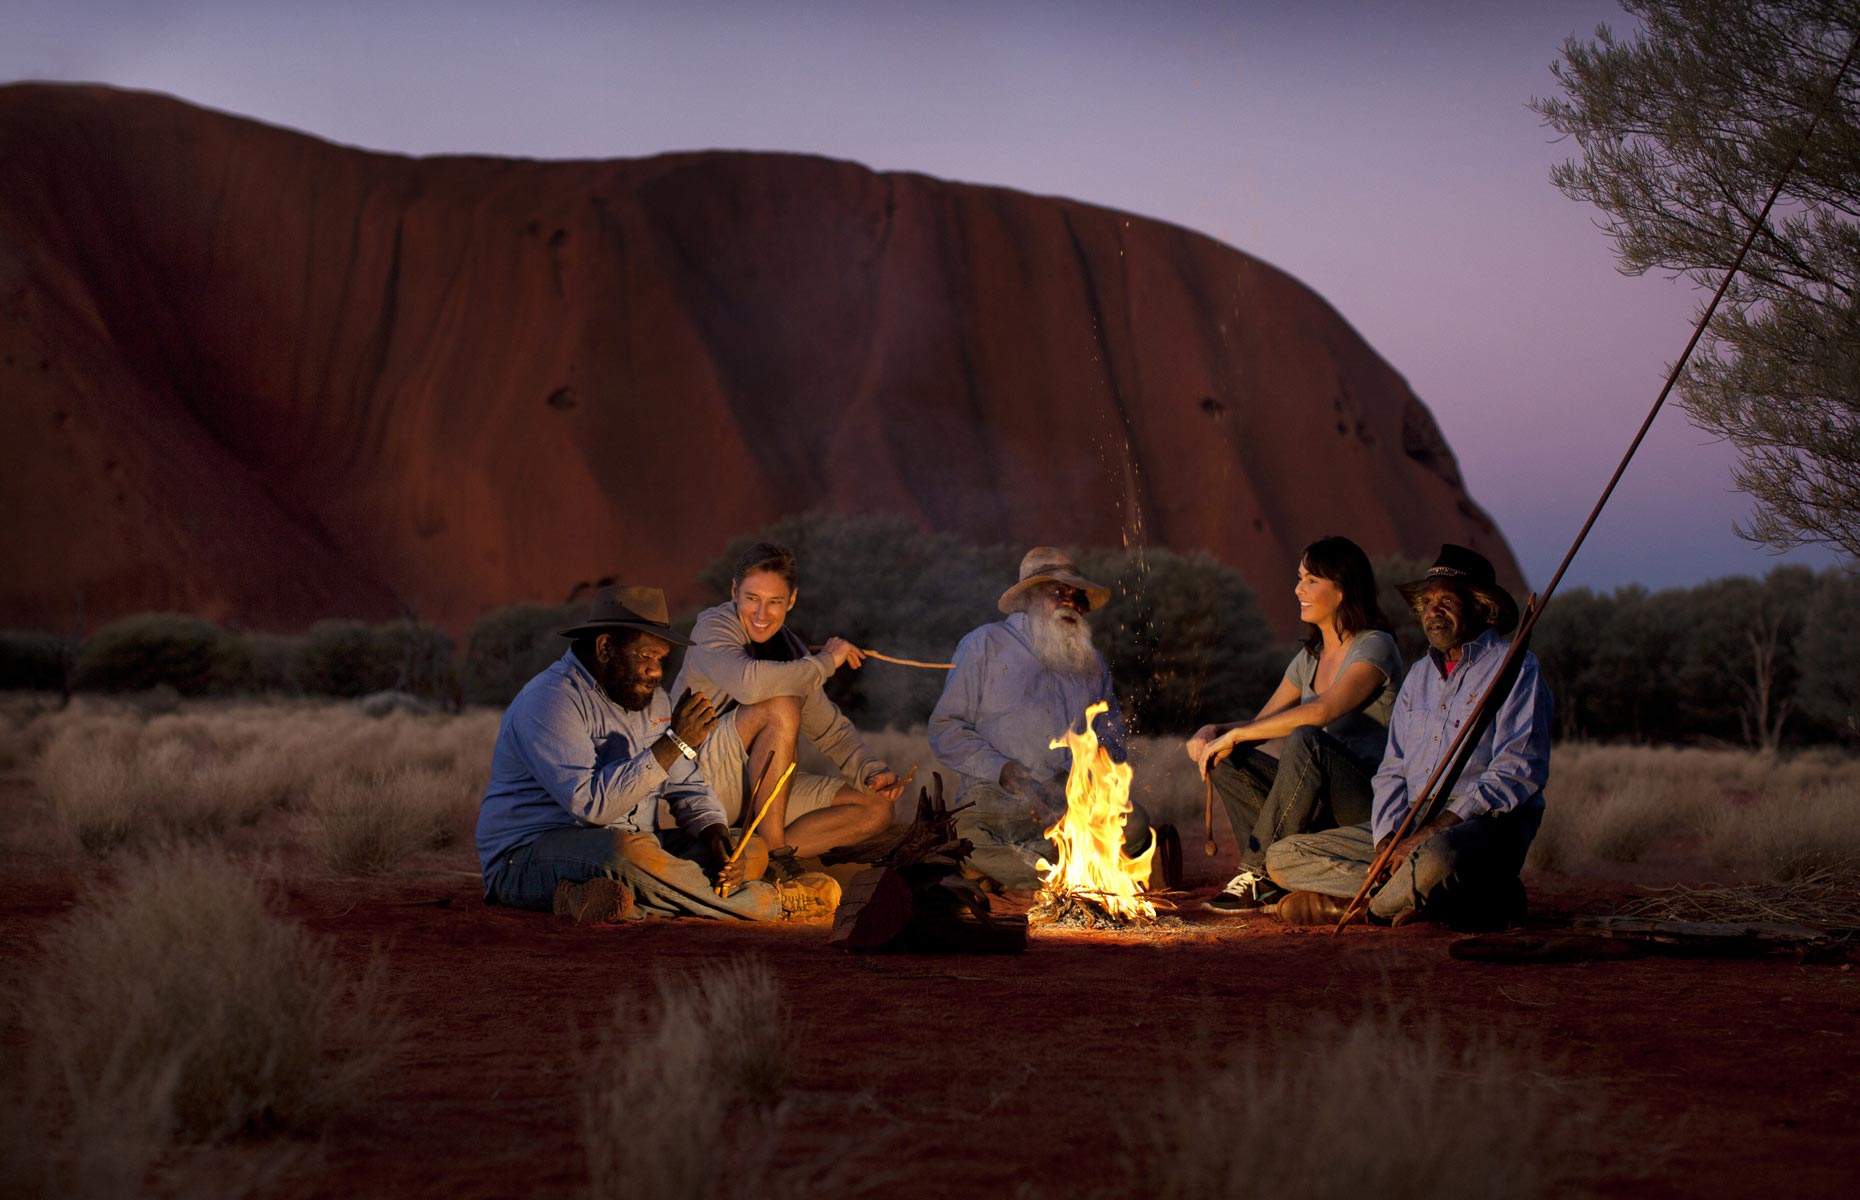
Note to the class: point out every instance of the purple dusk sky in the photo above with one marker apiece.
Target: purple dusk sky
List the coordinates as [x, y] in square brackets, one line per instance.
[1381, 152]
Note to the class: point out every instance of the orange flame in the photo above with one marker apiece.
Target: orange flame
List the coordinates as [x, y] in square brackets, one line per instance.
[1088, 840]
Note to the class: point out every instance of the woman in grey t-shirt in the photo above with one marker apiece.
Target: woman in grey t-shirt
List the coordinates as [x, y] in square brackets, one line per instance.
[1331, 709]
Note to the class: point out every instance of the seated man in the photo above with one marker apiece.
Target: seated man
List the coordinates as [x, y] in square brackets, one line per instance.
[1460, 868]
[768, 688]
[585, 754]
[1017, 685]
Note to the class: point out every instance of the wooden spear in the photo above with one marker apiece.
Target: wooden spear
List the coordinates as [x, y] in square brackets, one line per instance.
[1507, 675]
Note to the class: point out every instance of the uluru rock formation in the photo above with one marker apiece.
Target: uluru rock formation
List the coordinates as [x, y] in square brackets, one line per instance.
[263, 378]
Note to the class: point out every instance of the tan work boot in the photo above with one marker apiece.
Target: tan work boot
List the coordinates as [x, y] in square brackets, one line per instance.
[803, 893]
[599, 901]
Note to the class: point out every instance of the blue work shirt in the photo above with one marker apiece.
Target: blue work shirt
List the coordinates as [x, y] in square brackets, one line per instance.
[1001, 703]
[567, 757]
[1511, 761]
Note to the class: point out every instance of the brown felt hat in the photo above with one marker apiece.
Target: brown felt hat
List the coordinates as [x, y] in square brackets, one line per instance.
[1474, 572]
[1043, 564]
[640, 608]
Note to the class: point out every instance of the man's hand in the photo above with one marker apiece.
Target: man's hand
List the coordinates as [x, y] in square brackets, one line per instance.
[729, 875]
[1015, 779]
[886, 784]
[693, 717]
[1404, 849]
[844, 653]
[1197, 744]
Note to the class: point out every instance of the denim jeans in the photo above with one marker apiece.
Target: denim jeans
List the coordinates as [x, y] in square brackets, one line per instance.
[1315, 783]
[1466, 876]
[667, 871]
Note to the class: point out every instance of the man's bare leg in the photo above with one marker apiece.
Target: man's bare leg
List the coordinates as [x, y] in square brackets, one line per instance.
[852, 817]
[770, 732]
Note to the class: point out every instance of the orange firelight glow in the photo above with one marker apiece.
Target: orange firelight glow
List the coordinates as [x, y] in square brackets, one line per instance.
[1088, 840]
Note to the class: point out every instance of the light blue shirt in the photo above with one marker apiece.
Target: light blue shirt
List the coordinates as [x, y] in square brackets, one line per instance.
[1508, 766]
[1001, 703]
[567, 756]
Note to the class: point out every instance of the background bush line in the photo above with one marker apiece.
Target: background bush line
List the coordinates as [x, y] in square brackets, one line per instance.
[1762, 663]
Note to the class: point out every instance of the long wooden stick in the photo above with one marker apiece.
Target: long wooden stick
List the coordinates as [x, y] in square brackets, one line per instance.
[1462, 746]
[750, 832]
[1208, 806]
[724, 890]
[902, 662]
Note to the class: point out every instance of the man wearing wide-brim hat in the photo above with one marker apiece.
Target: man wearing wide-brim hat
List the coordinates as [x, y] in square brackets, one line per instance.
[1017, 685]
[584, 756]
[1461, 868]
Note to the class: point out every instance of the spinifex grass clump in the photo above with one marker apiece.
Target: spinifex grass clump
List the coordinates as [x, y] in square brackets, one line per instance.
[1369, 1108]
[371, 825]
[175, 1008]
[663, 1082]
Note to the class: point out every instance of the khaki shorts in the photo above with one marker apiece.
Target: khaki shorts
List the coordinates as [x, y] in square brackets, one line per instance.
[722, 761]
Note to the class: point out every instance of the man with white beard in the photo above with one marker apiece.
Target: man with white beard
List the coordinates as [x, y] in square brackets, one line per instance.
[1017, 685]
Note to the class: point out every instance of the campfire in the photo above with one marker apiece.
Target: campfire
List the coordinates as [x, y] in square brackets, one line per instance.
[1092, 883]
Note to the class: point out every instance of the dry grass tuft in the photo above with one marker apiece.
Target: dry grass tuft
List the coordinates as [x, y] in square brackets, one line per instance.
[370, 826]
[1368, 1108]
[1775, 817]
[662, 1085]
[121, 778]
[175, 1009]
[1826, 898]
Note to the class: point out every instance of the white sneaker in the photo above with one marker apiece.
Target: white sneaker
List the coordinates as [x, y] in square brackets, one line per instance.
[1246, 893]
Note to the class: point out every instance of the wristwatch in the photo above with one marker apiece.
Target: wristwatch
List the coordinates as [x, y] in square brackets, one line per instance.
[684, 747]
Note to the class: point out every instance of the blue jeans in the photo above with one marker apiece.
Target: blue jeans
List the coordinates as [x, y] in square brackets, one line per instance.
[1315, 783]
[1466, 876]
[669, 872]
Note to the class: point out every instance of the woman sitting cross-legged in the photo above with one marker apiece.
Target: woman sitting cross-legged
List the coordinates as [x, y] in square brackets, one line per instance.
[1331, 712]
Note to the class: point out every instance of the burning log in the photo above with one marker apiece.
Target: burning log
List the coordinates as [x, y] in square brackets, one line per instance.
[914, 898]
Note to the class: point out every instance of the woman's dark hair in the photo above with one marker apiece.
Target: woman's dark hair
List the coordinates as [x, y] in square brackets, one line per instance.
[1343, 562]
[767, 556]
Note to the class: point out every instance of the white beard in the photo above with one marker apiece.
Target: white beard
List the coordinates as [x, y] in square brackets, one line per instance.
[1062, 645]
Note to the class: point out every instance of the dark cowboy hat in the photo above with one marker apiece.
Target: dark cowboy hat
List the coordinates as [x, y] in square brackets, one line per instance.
[1472, 571]
[640, 608]
[1043, 564]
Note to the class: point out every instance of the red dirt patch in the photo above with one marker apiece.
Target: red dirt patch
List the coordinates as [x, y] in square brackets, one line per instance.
[1730, 1077]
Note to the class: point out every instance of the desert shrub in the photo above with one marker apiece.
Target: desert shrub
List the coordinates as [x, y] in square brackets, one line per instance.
[661, 1084]
[1289, 1123]
[350, 659]
[32, 662]
[372, 825]
[1184, 638]
[156, 650]
[509, 646]
[270, 662]
[176, 1008]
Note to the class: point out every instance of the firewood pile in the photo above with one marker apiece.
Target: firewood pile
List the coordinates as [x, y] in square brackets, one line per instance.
[913, 898]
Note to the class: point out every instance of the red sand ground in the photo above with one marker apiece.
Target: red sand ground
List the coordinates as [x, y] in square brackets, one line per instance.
[1733, 1077]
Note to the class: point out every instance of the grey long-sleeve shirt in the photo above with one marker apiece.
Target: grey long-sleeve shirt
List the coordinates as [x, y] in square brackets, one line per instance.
[719, 665]
[1002, 703]
[568, 756]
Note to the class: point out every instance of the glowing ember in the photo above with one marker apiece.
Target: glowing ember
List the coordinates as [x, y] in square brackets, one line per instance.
[1088, 840]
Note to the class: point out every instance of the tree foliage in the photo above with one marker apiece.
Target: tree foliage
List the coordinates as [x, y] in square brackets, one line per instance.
[1684, 128]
